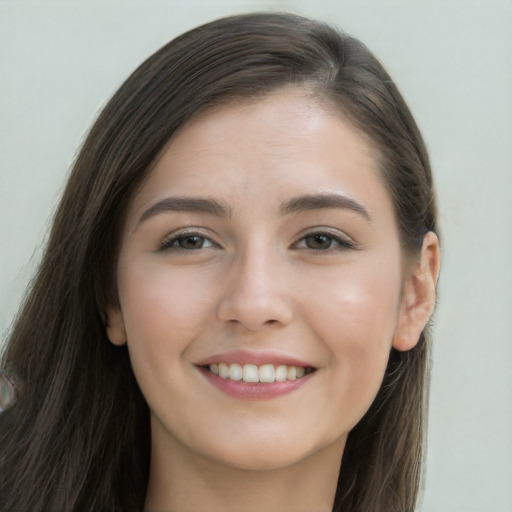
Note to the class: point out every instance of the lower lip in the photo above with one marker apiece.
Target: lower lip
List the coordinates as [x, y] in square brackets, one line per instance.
[254, 390]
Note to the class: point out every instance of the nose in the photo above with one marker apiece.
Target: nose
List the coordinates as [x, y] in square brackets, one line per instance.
[257, 293]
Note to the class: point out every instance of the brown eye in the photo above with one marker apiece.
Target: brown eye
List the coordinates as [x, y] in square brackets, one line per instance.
[191, 242]
[319, 241]
[324, 241]
[187, 242]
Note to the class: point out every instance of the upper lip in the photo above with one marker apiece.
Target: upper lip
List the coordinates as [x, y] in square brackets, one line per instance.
[258, 358]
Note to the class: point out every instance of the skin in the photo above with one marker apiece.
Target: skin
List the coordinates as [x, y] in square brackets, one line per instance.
[259, 282]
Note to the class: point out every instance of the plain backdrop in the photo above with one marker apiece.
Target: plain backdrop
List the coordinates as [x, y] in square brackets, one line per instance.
[60, 61]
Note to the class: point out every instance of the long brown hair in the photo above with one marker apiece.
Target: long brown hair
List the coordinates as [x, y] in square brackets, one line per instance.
[78, 438]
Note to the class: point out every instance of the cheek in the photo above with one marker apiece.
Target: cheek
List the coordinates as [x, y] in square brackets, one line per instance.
[163, 312]
[358, 304]
[365, 305]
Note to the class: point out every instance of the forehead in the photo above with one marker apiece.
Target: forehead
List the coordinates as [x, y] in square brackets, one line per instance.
[284, 144]
[289, 116]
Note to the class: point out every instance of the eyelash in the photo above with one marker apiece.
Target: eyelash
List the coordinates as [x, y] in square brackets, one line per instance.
[171, 243]
[342, 244]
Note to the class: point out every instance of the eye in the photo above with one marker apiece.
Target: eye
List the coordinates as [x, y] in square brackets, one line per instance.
[322, 241]
[187, 242]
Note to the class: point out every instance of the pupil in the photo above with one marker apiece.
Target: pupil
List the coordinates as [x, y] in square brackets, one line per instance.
[318, 241]
[192, 242]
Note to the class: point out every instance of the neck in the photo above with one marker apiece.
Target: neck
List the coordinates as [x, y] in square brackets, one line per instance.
[183, 481]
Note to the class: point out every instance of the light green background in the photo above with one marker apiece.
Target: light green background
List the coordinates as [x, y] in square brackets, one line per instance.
[60, 61]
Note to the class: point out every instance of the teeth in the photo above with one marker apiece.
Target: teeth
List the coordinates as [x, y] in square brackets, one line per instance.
[267, 373]
[250, 373]
[253, 373]
[235, 372]
[281, 372]
[223, 370]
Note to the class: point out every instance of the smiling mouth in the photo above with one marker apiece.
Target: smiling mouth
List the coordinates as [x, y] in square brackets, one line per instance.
[266, 373]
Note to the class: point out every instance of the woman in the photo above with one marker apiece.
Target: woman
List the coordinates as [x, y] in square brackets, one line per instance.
[231, 309]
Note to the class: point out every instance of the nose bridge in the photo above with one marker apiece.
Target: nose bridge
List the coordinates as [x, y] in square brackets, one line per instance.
[256, 295]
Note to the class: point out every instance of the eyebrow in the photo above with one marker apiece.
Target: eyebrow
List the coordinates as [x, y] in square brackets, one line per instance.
[187, 204]
[318, 201]
[221, 209]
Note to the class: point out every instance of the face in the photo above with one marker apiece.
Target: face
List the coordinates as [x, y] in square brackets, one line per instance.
[262, 246]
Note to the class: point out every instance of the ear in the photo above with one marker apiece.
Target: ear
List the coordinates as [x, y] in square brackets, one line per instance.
[419, 295]
[115, 325]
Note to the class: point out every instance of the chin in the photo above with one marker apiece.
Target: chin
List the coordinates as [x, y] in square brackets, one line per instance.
[275, 454]
[261, 462]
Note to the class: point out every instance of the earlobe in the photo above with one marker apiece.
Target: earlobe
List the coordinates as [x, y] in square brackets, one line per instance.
[419, 295]
[115, 326]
